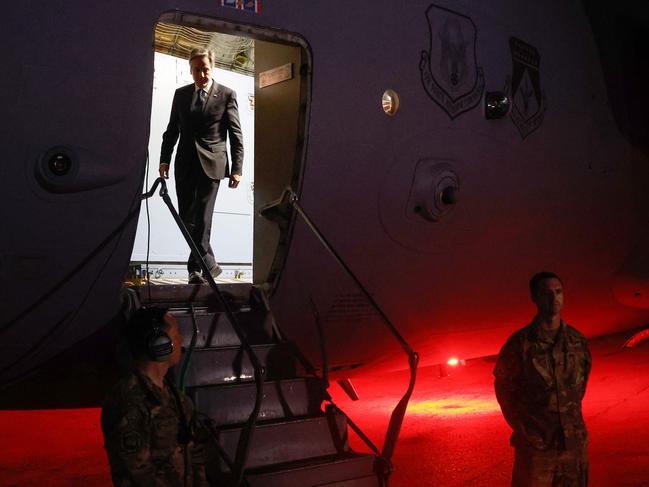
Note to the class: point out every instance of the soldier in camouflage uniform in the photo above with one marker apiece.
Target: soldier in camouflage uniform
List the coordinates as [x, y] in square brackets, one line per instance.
[540, 381]
[148, 424]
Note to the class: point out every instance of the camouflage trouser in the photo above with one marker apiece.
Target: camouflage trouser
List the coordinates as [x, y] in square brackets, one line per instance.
[552, 468]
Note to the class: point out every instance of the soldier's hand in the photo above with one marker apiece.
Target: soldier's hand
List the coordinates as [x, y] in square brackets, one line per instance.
[234, 181]
[164, 171]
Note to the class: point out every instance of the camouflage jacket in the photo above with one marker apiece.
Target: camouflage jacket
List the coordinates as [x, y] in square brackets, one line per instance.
[540, 384]
[148, 435]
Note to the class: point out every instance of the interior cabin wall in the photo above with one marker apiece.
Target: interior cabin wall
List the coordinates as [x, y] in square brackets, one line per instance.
[277, 128]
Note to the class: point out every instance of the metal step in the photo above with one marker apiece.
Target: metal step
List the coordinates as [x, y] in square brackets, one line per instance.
[346, 469]
[215, 330]
[350, 469]
[232, 403]
[210, 366]
[177, 296]
[287, 441]
[368, 481]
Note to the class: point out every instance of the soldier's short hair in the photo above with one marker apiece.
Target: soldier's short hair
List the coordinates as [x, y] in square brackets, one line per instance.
[535, 282]
[140, 326]
[202, 52]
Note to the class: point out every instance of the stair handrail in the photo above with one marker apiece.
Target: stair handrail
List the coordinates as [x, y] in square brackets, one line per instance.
[187, 359]
[325, 379]
[247, 432]
[398, 413]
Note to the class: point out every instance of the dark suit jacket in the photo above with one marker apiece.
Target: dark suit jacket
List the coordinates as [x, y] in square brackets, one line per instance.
[203, 135]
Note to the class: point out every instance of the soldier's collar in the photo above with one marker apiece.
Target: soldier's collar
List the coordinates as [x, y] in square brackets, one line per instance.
[535, 329]
[152, 391]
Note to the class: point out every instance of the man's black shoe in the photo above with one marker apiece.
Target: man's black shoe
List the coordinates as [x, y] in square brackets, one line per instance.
[196, 278]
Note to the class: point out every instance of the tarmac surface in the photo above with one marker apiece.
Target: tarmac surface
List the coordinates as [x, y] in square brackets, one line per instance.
[453, 434]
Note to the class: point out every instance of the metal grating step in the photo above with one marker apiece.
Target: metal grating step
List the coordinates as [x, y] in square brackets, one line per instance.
[210, 366]
[348, 469]
[232, 403]
[287, 441]
[179, 295]
[215, 330]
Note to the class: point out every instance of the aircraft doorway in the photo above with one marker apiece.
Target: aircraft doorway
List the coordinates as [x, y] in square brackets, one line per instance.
[242, 241]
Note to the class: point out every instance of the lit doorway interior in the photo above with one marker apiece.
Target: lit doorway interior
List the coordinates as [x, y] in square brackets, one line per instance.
[232, 228]
[270, 71]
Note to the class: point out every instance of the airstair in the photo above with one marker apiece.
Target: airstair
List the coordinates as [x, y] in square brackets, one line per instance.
[300, 437]
[271, 419]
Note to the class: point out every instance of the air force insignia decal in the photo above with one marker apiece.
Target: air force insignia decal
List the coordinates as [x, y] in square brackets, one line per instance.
[449, 70]
[528, 101]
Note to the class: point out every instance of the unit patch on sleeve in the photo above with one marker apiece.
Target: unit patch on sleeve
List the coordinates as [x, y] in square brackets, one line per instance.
[528, 104]
[449, 70]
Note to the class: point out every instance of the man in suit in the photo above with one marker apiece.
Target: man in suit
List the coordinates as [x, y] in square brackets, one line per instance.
[204, 114]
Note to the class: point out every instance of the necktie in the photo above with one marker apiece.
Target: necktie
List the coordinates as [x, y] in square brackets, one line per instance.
[200, 98]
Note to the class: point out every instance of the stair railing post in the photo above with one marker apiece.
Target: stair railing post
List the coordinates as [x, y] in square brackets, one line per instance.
[398, 414]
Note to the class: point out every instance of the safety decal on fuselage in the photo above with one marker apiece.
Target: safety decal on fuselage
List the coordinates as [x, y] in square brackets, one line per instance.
[248, 5]
[528, 105]
[449, 69]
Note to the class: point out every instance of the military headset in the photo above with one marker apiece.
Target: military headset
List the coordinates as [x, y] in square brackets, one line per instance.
[153, 340]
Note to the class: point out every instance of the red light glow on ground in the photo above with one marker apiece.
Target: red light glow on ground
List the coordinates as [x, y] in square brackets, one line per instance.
[454, 406]
[453, 433]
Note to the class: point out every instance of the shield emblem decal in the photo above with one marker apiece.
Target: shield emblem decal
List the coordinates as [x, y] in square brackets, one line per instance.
[528, 101]
[449, 70]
